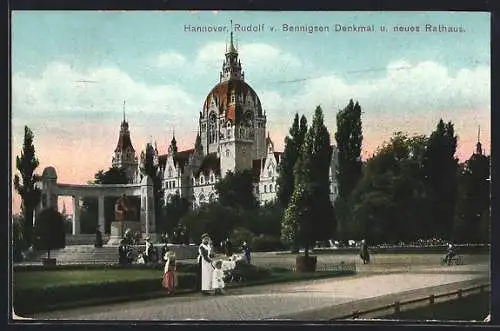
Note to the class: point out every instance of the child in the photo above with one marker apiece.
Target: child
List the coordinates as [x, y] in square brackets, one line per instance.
[218, 278]
[169, 271]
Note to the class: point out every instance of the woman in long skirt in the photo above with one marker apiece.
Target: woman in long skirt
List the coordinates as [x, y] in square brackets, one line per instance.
[169, 272]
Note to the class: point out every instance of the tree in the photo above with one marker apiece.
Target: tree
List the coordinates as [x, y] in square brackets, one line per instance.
[236, 190]
[173, 212]
[212, 218]
[474, 200]
[389, 201]
[349, 139]
[310, 211]
[26, 164]
[293, 144]
[49, 231]
[440, 174]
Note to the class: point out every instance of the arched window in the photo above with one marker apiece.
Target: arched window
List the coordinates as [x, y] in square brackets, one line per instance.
[212, 178]
[194, 181]
[201, 179]
[270, 187]
[170, 171]
[265, 188]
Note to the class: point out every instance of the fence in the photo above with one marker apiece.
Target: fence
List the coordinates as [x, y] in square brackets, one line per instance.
[397, 306]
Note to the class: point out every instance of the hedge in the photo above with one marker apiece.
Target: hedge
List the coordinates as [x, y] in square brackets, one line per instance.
[181, 267]
[29, 300]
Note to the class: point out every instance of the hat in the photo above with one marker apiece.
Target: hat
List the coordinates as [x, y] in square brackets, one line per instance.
[205, 235]
[147, 238]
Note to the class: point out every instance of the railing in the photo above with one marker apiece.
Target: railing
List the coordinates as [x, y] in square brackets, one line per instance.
[396, 307]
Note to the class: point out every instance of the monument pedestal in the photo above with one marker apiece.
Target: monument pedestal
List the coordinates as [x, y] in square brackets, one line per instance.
[118, 230]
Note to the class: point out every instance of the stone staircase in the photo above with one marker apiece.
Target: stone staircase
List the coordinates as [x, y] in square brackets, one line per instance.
[88, 254]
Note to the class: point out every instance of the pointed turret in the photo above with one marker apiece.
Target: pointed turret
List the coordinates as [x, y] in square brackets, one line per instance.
[231, 69]
[479, 148]
[172, 149]
[124, 155]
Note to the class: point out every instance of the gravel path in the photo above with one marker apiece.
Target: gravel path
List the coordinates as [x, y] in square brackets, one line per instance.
[270, 301]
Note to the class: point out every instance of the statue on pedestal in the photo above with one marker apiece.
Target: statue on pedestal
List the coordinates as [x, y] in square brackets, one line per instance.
[126, 218]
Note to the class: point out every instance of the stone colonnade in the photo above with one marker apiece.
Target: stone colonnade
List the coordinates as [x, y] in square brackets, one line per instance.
[51, 189]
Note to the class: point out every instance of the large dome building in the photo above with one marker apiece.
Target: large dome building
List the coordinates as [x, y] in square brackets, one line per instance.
[231, 137]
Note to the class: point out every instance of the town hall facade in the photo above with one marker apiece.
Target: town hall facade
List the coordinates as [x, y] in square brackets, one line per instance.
[231, 137]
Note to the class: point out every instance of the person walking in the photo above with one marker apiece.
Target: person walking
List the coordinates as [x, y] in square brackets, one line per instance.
[205, 264]
[363, 252]
[247, 252]
[169, 271]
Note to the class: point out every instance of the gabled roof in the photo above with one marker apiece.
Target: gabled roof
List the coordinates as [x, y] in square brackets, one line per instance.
[180, 159]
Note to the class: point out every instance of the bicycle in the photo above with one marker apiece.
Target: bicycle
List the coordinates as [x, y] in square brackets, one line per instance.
[454, 260]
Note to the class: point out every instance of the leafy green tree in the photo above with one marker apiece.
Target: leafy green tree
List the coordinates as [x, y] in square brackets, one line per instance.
[212, 218]
[310, 211]
[26, 164]
[49, 231]
[173, 212]
[474, 200]
[236, 190]
[440, 174]
[349, 139]
[293, 144]
[389, 200]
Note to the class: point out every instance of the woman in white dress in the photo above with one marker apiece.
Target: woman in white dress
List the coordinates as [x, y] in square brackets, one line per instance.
[205, 259]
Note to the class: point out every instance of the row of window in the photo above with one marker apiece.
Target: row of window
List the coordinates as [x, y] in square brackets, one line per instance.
[170, 184]
[202, 180]
[266, 188]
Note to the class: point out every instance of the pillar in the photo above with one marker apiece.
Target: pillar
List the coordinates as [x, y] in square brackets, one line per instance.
[147, 207]
[101, 213]
[76, 215]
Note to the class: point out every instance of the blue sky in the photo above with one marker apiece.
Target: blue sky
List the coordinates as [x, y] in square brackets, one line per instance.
[72, 70]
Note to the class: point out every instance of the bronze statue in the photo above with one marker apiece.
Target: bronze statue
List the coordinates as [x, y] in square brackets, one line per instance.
[125, 211]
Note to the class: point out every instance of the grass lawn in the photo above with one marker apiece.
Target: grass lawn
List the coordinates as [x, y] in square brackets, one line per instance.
[36, 279]
[473, 307]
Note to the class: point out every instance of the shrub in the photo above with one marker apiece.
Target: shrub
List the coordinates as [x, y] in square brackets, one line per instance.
[239, 235]
[267, 243]
[250, 272]
[49, 231]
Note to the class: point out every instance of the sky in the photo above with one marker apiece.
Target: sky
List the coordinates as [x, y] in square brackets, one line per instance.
[73, 70]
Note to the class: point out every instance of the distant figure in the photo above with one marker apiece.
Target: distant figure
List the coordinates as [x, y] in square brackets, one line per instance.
[247, 252]
[451, 252]
[363, 252]
[123, 253]
[227, 246]
[98, 238]
[169, 271]
[218, 278]
[149, 251]
[164, 249]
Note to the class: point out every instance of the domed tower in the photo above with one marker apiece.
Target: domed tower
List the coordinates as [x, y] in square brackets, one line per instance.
[124, 155]
[232, 123]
